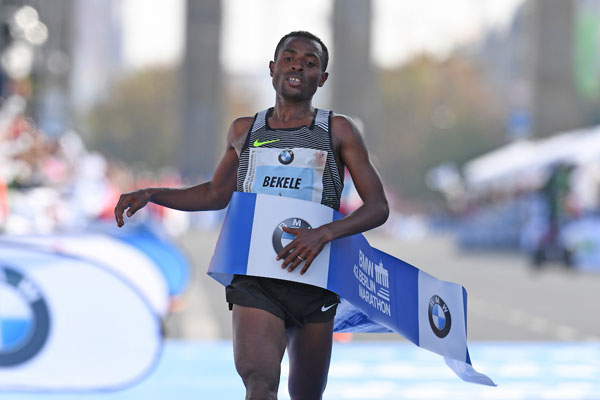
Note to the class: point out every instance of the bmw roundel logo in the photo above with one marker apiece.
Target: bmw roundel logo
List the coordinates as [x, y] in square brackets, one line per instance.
[281, 238]
[439, 317]
[286, 157]
[24, 318]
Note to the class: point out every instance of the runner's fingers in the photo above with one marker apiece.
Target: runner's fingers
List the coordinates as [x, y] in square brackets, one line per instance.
[119, 209]
[133, 207]
[289, 230]
[297, 260]
[287, 251]
[117, 217]
[290, 246]
[307, 264]
[290, 259]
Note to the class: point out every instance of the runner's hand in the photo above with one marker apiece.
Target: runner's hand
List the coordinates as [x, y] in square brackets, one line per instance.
[305, 247]
[131, 202]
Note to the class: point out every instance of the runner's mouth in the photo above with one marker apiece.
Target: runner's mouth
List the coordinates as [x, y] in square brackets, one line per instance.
[294, 81]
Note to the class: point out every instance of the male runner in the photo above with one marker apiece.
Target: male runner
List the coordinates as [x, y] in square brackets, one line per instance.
[279, 152]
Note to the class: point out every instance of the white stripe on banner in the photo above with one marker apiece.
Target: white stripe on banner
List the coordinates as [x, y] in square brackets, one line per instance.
[268, 214]
[69, 324]
[126, 261]
[379, 292]
[440, 330]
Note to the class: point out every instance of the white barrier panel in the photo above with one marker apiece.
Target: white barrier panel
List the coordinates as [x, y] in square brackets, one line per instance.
[70, 324]
[126, 261]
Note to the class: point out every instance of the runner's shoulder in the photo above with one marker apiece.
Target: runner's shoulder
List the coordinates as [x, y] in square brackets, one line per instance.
[343, 127]
[240, 126]
[238, 130]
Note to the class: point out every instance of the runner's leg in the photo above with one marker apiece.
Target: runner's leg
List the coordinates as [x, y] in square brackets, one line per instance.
[309, 352]
[258, 346]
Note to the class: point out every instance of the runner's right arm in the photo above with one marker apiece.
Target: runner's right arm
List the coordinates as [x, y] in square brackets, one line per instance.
[212, 195]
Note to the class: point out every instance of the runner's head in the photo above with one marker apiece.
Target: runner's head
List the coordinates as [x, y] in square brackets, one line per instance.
[299, 66]
[324, 53]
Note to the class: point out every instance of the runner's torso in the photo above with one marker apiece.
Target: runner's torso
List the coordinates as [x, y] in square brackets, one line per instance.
[295, 162]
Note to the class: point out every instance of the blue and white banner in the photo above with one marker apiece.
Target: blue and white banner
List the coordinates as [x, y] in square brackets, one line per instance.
[379, 292]
[67, 323]
[127, 261]
[167, 257]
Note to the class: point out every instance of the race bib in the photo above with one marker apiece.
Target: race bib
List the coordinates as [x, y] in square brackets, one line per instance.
[295, 173]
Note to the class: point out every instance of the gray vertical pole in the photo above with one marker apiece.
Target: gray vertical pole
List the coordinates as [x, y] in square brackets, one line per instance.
[201, 106]
[555, 100]
[51, 105]
[355, 90]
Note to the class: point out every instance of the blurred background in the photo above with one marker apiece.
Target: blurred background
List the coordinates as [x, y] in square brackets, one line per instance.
[482, 116]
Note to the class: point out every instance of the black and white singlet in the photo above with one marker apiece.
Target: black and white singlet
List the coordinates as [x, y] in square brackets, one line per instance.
[296, 162]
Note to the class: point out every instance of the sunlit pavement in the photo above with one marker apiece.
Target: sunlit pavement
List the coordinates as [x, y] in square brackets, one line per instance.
[377, 370]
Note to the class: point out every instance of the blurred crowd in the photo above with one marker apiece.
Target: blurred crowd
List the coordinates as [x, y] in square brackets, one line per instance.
[50, 184]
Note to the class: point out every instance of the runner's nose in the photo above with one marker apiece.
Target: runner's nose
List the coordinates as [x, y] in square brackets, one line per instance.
[297, 66]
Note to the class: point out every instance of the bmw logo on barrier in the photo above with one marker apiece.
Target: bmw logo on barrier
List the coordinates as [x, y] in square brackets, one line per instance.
[439, 317]
[281, 238]
[24, 318]
[286, 157]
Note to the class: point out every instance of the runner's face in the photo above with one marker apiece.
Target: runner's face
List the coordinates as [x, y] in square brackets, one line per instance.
[297, 70]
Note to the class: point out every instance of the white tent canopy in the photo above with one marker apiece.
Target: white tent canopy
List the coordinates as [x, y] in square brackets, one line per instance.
[499, 165]
[525, 163]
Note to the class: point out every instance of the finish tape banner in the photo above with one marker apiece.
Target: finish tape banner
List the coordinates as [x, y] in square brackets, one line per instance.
[379, 292]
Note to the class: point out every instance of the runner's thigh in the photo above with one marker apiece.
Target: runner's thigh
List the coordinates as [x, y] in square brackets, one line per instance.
[309, 351]
[258, 343]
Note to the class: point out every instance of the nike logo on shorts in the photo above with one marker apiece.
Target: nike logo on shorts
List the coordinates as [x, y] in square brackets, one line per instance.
[258, 144]
[323, 308]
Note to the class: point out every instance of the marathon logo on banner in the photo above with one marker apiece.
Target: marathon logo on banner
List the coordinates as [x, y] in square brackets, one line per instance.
[374, 283]
[379, 292]
[69, 324]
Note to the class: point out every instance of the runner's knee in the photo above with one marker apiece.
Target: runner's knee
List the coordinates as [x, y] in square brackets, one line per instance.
[260, 384]
[306, 393]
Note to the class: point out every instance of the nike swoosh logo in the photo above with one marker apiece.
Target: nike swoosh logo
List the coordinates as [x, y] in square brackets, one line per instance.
[258, 144]
[323, 308]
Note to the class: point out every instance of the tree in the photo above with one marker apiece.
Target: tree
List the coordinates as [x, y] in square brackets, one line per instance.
[138, 122]
[435, 112]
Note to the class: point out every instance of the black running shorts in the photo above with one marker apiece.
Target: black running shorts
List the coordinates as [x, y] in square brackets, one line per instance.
[295, 303]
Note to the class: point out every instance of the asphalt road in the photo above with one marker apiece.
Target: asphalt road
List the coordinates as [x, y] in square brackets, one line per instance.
[507, 300]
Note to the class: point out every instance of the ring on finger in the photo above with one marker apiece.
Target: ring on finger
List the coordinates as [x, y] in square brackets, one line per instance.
[300, 258]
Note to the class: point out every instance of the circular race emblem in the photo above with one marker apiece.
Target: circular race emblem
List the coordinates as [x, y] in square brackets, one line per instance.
[24, 318]
[281, 238]
[286, 157]
[439, 317]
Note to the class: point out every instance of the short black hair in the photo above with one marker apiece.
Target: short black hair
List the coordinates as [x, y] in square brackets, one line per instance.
[307, 35]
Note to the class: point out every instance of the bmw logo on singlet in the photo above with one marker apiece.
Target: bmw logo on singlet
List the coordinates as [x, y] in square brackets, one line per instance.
[24, 318]
[439, 316]
[286, 157]
[282, 238]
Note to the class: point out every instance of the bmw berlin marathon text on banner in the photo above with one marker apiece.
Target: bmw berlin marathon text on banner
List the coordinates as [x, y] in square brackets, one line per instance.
[379, 292]
[70, 324]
